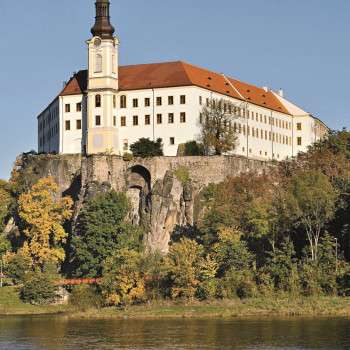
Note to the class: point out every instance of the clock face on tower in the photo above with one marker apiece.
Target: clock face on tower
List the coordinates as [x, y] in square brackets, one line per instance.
[97, 42]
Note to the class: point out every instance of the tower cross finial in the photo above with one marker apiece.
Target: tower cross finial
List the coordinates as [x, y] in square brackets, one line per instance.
[103, 27]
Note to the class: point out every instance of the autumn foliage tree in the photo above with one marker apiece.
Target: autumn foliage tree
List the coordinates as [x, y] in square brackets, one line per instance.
[43, 215]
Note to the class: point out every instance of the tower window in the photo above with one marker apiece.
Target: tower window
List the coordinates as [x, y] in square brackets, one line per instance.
[147, 119]
[183, 117]
[182, 99]
[67, 125]
[79, 124]
[97, 120]
[123, 101]
[171, 118]
[135, 120]
[98, 101]
[78, 107]
[98, 63]
[67, 108]
[170, 100]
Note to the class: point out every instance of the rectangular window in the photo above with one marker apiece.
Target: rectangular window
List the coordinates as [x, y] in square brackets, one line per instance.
[114, 120]
[171, 118]
[78, 107]
[67, 124]
[170, 100]
[159, 119]
[98, 120]
[147, 119]
[114, 101]
[135, 102]
[200, 100]
[67, 108]
[299, 141]
[147, 102]
[135, 120]
[79, 124]
[122, 121]
[183, 99]
[159, 101]
[201, 118]
[172, 141]
[182, 117]
[299, 126]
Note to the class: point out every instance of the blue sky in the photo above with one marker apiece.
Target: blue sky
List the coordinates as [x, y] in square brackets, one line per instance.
[301, 46]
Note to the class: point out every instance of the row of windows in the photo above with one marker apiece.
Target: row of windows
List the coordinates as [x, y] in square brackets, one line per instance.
[261, 153]
[67, 107]
[262, 134]
[68, 125]
[254, 116]
[48, 118]
[46, 137]
[147, 101]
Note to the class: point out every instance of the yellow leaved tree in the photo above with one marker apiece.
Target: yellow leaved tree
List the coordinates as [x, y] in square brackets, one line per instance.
[43, 214]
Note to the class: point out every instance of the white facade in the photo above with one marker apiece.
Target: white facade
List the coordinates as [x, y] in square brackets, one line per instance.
[104, 118]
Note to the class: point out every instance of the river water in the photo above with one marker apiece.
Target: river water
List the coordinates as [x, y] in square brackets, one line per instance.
[56, 333]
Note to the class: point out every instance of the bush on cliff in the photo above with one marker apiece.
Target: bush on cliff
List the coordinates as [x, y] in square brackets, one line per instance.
[146, 148]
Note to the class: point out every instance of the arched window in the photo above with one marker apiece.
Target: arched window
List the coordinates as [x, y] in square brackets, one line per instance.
[98, 101]
[123, 101]
[98, 63]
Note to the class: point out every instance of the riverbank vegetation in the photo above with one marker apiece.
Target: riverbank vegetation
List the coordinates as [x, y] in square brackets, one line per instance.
[271, 243]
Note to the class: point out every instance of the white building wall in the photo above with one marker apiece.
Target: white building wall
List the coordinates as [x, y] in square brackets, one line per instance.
[48, 129]
[264, 134]
[71, 140]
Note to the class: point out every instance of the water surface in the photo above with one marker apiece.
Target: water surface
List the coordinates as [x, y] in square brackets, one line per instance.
[56, 333]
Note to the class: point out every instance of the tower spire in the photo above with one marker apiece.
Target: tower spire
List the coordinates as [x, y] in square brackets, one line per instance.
[103, 27]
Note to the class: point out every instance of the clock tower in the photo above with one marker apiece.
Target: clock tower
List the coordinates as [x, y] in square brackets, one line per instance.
[101, 131]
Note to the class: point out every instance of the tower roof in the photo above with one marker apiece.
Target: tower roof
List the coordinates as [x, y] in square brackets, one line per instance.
[103, 27]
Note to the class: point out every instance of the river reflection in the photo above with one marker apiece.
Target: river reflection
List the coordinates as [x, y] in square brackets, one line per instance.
[50, 333]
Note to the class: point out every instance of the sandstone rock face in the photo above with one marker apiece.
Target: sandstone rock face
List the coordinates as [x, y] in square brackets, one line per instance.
[159, 200]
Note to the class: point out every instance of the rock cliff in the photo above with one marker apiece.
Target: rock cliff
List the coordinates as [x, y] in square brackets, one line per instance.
[163, 191]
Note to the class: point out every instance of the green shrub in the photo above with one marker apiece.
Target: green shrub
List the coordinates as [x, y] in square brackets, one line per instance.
[182, 174]
[85, 297]
[192, 148]
[128, 157]
[39, 288]
[146, 148]
[16, 268]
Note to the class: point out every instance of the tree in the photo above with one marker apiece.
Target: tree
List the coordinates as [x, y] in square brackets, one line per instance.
[217, 131]
[146, 148]
[5, 202]
[101, 230]
[43, 215]
[193, 148]
[311, 199]
[185, 264]
[123, 282]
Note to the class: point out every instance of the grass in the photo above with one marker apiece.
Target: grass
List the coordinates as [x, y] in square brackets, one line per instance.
[11, 304]
[280, 306]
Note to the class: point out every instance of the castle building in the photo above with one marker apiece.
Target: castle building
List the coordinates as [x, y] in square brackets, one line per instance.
[108, 107]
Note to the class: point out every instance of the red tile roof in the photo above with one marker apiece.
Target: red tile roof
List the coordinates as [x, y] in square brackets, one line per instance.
[175, 74]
